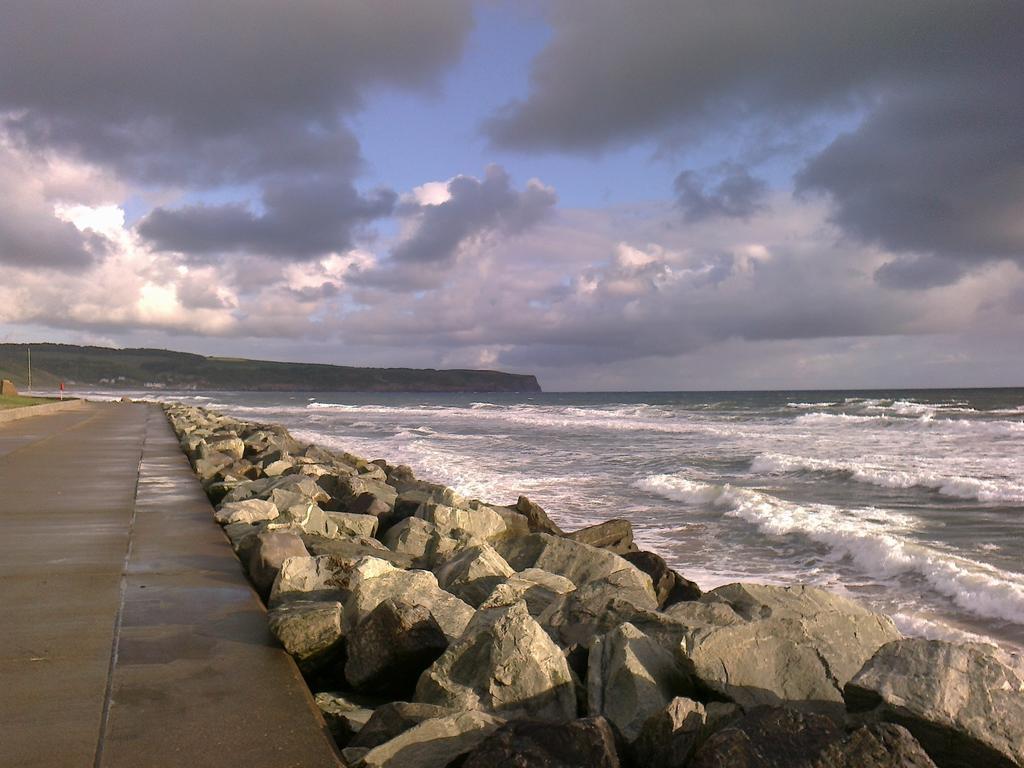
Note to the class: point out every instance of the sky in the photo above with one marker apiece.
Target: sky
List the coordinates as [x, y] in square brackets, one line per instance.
[654, 195]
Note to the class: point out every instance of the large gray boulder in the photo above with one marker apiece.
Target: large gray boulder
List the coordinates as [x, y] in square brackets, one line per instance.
[879, 745]
[963, 705]
[393, 718]
[473, 573]
[413, 537]
[537, 588]
[629, 678]
[614, 535]
[537, 519]
[503, 663]
[482, 523]
[310, 630]
[306, 517]
[797, 645]
[267, 554]
[309, 578]
[669, 737]
[768, 737]
[432, 743]
[412, 587]
[597, 606]
[585, 743]
[248, 511]
[580, 563]
[390, 648]
[670, 587]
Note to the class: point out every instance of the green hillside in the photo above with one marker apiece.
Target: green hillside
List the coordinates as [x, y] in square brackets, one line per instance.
[136, 368]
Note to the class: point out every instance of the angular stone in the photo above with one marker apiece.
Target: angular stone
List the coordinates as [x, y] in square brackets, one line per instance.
[799, 646]
[279, 467]
[307, 518]
[313, 578]
[231, 446]
[368, 504]
[354, 547]
[269, 551]
[483, 523]
[962, 704]
[504, 663]
[598, 606]
[389, 720]
[669, 586]
[308, 629]
[249, 511]
[346, 715]
[880, 745]
[629, 678]
[768, 737]
[355, 525]
[390, 648]
[579, 563]
[585, 743]
[669, 737]
[433, 743]
[413, 587]
[536, 518]
[413, 537]
[614, 535]
[473, 573]
[537, 588]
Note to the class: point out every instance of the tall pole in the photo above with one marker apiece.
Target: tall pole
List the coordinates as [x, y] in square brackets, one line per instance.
[30, 368]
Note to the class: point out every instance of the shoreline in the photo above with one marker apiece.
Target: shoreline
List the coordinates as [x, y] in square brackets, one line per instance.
[374, 553]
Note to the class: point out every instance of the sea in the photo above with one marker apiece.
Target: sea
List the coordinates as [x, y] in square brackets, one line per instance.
[909, 500]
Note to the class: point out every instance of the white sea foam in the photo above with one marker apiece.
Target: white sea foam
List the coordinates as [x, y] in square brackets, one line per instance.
[1001, 491]
[875, 540]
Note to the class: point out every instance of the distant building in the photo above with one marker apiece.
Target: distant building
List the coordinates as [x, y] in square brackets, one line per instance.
[7, 388]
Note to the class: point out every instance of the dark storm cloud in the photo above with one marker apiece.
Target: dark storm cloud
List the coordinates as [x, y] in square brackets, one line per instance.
[937, 166]
[235, 86]
[736, 194]
[301, 218]
[918, 272]
[42, 241]
[474, 207]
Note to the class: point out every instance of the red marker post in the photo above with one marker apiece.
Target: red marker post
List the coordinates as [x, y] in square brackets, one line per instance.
[62, 391]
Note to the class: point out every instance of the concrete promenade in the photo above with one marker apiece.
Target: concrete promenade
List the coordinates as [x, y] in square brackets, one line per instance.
[129, 635]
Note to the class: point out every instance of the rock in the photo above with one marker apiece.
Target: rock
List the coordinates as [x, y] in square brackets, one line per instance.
[473, 573]
[355, 525]
[389, 720]
[279, 467]
[881, 745]
[629, 678]
[413, 537]
[354, 547]
[537, 588]
[308, 518]
[669, 736]
[601, 605]
[799, 646]
[536, 518]
[230, 446]
[249, 511]
[368, 504]
[669, 586]
[768, 737]
[208, 467]
[580, 563]
[433, 743]
[614, 535]
[310, 630]
[265, 558]
[7, 388]
[695, 614]
[312, 578]
[389, 649]
[515, 523]
[503, 663]
[344, 489]
[346, 715]
[413, 587]
[483, 523]
[962, 704]
[586, 743]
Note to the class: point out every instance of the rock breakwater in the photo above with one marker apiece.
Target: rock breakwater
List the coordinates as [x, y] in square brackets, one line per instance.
[436, 630]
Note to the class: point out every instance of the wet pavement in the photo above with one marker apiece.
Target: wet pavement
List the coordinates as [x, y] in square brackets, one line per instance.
[130, 636]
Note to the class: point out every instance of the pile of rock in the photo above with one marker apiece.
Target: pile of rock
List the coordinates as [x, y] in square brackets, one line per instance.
[437, 630]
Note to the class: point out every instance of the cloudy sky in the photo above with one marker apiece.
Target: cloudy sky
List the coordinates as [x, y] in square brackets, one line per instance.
[659, 194]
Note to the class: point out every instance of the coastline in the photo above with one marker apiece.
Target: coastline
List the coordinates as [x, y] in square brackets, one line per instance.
[348, 552]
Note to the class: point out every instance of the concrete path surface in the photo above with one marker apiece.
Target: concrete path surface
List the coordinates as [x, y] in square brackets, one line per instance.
[129, 635]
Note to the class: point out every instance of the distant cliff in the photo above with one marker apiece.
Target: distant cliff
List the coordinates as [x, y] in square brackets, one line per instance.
[137, 368]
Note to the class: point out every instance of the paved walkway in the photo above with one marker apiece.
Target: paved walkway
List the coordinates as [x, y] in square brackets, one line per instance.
[129, 636]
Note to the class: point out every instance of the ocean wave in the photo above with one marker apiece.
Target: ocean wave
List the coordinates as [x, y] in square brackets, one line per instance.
[870, 538]
[954, 486]
[808, 406]
[924, 421]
